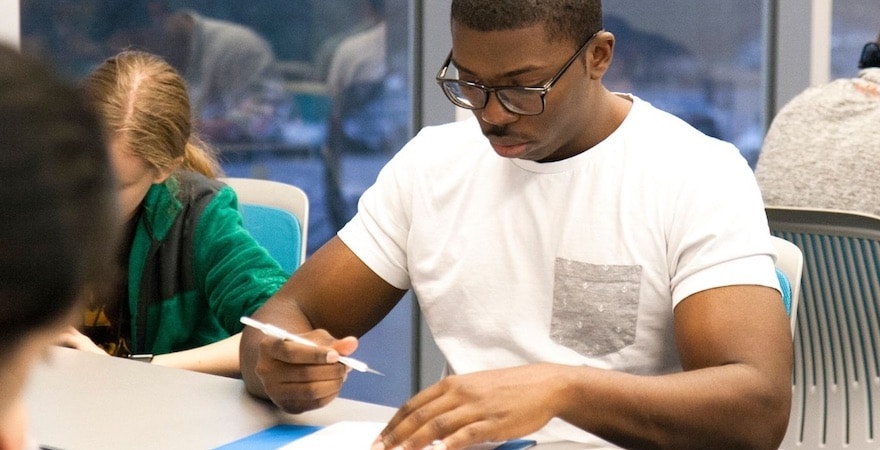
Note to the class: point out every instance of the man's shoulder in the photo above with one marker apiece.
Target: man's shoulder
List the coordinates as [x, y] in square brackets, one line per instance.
[659, 133]
[648, 117]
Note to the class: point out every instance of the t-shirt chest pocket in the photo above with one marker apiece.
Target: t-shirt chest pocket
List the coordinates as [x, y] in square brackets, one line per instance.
[595, 307]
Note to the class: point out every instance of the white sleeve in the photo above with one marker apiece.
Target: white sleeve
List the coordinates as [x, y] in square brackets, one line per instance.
[720, 236]
[379, 232]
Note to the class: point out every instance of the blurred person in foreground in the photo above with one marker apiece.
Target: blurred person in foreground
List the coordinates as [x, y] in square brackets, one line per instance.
[593, 269]
[58, 225]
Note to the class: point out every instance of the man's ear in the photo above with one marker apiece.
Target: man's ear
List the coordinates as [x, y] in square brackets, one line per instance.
[600, 54]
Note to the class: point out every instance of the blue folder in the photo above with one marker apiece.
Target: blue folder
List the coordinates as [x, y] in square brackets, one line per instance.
[280, 435]
[271, 438]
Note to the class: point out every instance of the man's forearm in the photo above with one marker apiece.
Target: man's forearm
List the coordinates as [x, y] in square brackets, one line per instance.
[731, 406]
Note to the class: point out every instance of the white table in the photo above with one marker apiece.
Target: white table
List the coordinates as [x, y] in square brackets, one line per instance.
[83, 401]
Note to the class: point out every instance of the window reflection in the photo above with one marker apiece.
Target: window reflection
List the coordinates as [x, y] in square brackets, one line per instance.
[701, 61]
[854, 23]
[301, 91]
[226, 66]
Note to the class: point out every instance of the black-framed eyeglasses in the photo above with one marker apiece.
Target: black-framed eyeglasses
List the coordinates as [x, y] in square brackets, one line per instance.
[522, 100]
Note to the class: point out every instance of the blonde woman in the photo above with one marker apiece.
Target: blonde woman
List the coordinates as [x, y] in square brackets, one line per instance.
[191, 269]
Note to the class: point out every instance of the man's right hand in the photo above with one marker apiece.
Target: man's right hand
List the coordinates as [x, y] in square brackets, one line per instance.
[300, 378]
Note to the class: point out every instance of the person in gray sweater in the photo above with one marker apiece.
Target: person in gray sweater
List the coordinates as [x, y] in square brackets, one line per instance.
[823, 148]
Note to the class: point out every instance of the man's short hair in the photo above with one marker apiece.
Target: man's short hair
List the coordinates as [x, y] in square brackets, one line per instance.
[569, 20]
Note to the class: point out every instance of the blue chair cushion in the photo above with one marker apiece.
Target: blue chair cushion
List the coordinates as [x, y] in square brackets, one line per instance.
[278, 231]
[786, 290]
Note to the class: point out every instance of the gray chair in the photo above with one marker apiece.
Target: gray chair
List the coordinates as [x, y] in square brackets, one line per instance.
[836, 379]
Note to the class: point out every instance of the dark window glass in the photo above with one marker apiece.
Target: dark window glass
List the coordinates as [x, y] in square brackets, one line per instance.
[309, 92]
[853, 24]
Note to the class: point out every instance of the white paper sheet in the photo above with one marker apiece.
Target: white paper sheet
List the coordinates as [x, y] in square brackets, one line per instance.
[344, 435]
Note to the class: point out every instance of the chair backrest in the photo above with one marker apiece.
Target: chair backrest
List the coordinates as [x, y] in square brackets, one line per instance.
[790, 265]
[277, 216]
[836, 389]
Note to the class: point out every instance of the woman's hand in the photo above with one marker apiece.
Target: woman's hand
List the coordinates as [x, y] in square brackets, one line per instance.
[74, 339]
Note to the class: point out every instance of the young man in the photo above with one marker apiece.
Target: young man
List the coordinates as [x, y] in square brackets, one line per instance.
[58, 223]
[590, 266]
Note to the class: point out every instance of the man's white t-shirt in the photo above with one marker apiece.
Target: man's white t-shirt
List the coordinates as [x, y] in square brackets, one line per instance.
[578, 262]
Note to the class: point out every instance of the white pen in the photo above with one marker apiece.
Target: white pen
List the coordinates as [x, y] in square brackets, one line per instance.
[280, 333]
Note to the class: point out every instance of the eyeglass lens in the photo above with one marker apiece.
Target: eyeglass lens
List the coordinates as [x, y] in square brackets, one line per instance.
[517, 100]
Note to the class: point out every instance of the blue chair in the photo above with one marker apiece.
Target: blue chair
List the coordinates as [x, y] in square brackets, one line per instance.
[785, 286]
[836, 383]
[276, 214]
[789, 270]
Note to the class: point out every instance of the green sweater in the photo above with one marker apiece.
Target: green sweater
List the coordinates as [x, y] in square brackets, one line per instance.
[193, 269]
